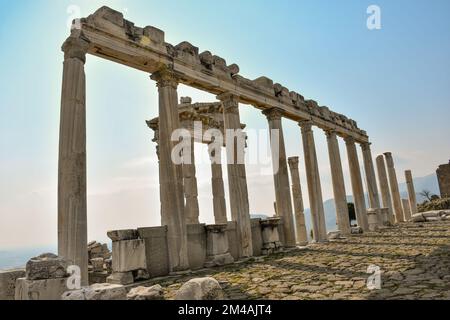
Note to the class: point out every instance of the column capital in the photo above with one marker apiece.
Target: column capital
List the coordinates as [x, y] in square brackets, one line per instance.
[273, 113]
[306, 125]
[293, 162]
[365, 146]
[388, 154]
[76, 46]
[165, 77]
[230, 102]
[349, 140]
[330, 133]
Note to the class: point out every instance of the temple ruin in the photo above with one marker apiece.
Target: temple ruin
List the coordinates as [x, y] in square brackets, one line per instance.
[182, 242]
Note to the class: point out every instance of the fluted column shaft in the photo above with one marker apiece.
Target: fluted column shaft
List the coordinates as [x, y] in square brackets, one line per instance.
[281, 176]
[372, 189]
[337, 177]
[384, 187]
[357, 186]
[72, 194]
[395, 193]
[313, 180]
[191, 189]
[411, 191]
[237, 179]
[218, 191]
[170, 173]
[300, 225]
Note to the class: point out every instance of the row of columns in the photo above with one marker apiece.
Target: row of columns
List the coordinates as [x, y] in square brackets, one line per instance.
[175, 211]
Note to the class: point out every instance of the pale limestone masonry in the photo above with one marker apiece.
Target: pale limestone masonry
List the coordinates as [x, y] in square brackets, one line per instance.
[443, 175]
[406, 209]
[357, 186]
[106, 34]
[384, 187]
[337, 177]
[395, 193]
[411, 192]
[8, 282]
[300, 225]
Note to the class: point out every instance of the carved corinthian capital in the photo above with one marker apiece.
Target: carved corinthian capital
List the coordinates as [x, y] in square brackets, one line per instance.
[273, 113]
[365, 146]
[349, 140]
[230, 102]
[306, 125]
[76, 46]
[165, 78]
[293, 162]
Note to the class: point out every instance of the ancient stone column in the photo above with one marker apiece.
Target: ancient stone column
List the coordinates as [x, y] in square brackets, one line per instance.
[281, 176]
[313, 179]
[372, 189]
[72, 204]
[406, 209]
[395, 193]
[190, 189]
[237, 179]
[300, 226]
[218, 191]
[171, 174]
[384, 187]
[411, 192]
[337, 176]
[357, 186]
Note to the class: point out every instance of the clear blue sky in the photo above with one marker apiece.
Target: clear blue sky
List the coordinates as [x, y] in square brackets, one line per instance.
[395, 82]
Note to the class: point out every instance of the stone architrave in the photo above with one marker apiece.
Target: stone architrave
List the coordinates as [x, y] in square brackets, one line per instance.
[281, 176]
[337, 177]
[384, 188]
[411, 192]
[313, 180]
[237, 178]
[300, 225]
[72, 192]
[357, 186]
[393, 183]
[170, 173]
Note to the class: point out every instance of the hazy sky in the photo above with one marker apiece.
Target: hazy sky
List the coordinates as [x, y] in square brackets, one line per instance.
[395, 82]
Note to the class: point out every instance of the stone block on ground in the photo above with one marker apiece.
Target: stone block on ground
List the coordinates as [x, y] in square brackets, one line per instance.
[123, 278]
[44, 289]
[46, 266]
[334, 235]
[357, 230]
[97, 264]
[98, 291]
[200, 289]
[128, 255]
[146, 293]
[8, 282]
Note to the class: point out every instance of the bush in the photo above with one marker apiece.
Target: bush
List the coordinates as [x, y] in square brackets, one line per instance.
[437, 204]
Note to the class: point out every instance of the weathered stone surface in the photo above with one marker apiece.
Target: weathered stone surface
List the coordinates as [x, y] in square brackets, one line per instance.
[44, 289]
[128, 255]
[146, 293]
[357, 230]
[140, 275]
[46, 266]
[200, 289]
[334, 235]
[123, 278]
[8, 282]
[98, 291]
[119, 235]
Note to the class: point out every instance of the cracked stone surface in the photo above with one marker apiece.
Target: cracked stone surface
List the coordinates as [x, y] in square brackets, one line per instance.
[414, 260]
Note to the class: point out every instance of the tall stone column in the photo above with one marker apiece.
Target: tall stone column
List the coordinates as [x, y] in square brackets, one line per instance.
[218, 191]
[406, 209]
[337, 176]
[190, 189]
[72, 194]
[384, 187]
[281, 177]
[313, 179]
[300, 225]
[372, 189]
[395, 193]
[171, 174]
[411, 192]
[237, 179]
[357, 186]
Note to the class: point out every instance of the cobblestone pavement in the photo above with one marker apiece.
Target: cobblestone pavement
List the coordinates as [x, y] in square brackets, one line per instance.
[414, 260]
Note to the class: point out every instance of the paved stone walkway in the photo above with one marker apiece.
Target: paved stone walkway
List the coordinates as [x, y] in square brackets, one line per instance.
[414, 260]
